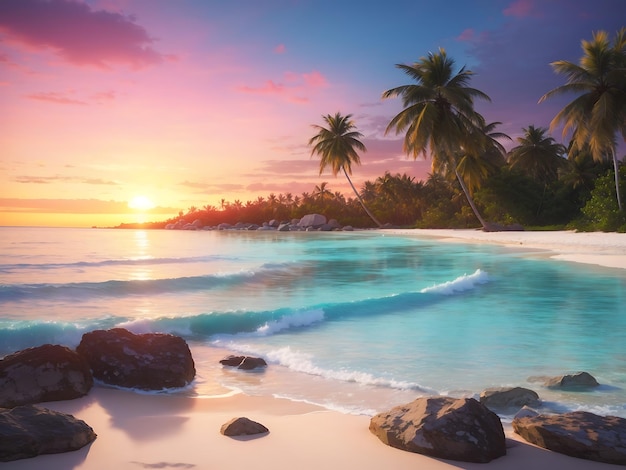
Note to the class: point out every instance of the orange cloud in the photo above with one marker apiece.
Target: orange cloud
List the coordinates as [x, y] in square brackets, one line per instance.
[72, 206]
[77, 33]
[54, 179]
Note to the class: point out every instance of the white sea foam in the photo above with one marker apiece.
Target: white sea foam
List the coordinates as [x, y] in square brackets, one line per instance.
[299, 319]
[460, 284]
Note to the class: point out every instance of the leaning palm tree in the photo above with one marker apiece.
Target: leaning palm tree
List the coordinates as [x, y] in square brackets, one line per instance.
[537, 155]
[337, 145]
[598, 114]
[439, 115]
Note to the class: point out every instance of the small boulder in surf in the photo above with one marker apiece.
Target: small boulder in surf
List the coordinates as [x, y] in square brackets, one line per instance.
[244, 362]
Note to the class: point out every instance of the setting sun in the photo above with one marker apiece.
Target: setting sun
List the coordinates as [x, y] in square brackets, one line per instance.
[141, 203]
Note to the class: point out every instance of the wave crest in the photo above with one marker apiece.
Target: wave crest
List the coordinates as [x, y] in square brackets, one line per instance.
[460, 284]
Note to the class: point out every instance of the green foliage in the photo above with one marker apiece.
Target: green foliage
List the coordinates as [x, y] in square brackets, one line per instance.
[601, 212]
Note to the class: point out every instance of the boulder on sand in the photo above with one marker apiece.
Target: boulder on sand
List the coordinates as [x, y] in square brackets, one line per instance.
[152, 361]
[577, 434]
[44, 373]
[443, 427]
[28, 431]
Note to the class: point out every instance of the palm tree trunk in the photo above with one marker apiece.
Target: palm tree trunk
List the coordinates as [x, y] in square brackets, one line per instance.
[470, 200]
[616, 167]
[358, 196]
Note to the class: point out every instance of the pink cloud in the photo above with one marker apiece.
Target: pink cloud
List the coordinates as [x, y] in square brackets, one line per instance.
[467, 35]
[315, 79]
[295, 90]
[56, 98]
[521, 9]
[268, 88]
[78, 34]
[280, 49]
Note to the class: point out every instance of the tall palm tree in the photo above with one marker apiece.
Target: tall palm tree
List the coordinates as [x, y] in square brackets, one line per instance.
[337, 146]
[598, 114]
[439, 115]
[476, 163]
[537, 155]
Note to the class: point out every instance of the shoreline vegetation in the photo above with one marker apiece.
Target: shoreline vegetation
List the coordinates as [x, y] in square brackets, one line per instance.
[172, 431]
[474, 180]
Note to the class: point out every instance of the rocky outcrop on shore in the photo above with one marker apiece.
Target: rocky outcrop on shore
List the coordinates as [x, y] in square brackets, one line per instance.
[44, 373]
[152, 361]
[308, 223]
[448, 428]
[28, 431]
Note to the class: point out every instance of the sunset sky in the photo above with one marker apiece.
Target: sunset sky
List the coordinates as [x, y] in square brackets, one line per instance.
[184, 103]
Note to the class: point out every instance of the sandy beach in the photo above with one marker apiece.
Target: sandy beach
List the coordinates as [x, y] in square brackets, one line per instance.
[138, 431]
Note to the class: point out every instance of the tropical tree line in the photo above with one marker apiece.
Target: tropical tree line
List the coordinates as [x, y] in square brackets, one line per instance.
[474, 181]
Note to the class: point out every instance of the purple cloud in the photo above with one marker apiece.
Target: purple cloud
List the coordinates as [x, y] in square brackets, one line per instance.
[77, 33]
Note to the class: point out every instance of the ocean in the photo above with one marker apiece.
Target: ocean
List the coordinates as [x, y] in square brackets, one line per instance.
[353, 321]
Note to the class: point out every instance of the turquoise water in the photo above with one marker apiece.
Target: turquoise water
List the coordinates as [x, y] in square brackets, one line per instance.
[355, 321]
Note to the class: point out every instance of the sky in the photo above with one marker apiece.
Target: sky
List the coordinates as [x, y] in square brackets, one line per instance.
[121, 111]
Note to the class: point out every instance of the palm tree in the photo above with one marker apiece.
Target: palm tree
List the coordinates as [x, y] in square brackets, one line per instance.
[336, 145]
[598, 114]
[439, 115]
[537, 155]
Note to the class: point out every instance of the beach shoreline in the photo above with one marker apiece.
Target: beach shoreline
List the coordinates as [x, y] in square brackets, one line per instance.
[138, 431]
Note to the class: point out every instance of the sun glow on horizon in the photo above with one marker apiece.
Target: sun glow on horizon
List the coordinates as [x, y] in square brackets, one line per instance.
[141, 203]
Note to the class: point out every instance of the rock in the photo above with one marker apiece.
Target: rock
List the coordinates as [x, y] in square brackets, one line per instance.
[443, 427]
[28, 431]
[244, 362]
[348, 228]
[526, 412]
[242, 427]
[224, 226]
[578, 434]
[286, 227]
[312, 220]
[325, 228]
[150, 361]
[509, 397]
[579, 380]
[44, 373]
[334, 224]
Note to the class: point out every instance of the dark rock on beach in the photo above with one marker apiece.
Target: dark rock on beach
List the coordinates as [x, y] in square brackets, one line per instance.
[152, 361]
[28, 431]
[579, 380]
[244, 362]
[509, 397]
[242, 427]
[578, 434]
[443, 427]
[44, 373]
